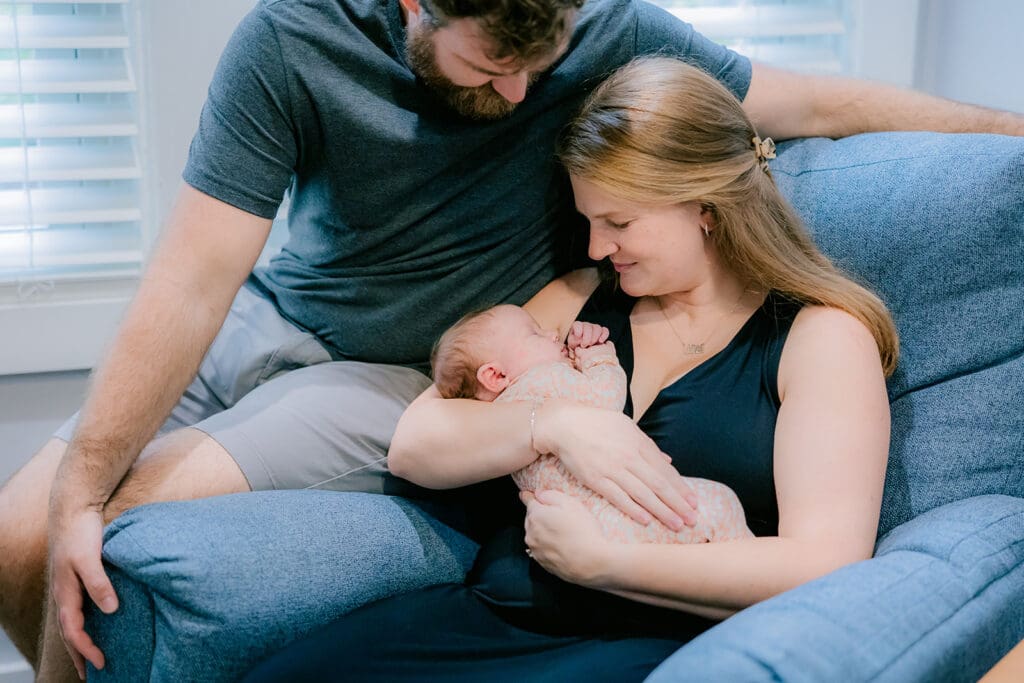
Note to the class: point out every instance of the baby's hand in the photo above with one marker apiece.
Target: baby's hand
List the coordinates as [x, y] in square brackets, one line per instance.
[584, 335]
[593, 353]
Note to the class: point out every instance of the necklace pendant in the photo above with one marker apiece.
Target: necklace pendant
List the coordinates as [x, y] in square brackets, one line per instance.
[694, 349]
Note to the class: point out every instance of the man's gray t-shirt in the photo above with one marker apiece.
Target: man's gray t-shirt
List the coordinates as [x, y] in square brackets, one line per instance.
[405, 215]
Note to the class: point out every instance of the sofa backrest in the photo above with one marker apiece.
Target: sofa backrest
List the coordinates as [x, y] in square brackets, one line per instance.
[934, 223]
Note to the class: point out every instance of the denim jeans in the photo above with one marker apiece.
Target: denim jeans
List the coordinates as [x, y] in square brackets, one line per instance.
[208, 588]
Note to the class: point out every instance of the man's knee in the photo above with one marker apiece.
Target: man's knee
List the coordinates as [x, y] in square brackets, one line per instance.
[24, 502]
[183, 465]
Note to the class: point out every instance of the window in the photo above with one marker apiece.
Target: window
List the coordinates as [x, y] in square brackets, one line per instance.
[70, 174]
[803, 35]
[69, 167]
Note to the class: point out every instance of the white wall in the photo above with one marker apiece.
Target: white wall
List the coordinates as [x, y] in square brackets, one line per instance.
[973, 51]
[182, 42]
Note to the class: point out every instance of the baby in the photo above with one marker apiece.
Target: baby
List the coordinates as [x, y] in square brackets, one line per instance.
[502, 354]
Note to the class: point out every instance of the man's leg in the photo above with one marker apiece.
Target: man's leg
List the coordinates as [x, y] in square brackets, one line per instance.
[254, 344]
[23, 505]
[179, 466]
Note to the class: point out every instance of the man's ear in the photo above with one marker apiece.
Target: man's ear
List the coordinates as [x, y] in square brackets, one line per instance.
[410, 6]
[492, 377]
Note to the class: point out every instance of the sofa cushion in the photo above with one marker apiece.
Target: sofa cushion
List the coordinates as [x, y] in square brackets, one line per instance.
[935, 224]
[943, 600]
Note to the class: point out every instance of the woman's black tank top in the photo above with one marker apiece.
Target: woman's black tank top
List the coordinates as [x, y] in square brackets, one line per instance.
[718, 420]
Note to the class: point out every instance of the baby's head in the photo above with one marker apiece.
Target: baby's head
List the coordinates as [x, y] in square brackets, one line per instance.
[479, 356]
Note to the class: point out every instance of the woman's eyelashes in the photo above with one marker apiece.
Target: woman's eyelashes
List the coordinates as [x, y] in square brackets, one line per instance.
[618, 226]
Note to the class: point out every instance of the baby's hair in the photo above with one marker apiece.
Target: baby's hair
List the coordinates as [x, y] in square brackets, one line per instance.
[456, 358]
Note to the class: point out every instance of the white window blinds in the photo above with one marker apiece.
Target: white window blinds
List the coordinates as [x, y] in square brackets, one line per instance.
[804, 35]
[70, 175]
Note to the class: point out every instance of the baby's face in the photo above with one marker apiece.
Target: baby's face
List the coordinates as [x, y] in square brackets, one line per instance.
[520, 343]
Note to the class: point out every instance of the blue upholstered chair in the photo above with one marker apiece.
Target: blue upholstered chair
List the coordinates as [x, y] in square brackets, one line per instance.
[935, 223]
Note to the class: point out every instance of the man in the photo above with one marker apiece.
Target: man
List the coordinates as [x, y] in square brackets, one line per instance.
[416, 139]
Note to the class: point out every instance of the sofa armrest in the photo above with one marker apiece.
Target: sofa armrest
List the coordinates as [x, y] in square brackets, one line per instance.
[942, 600]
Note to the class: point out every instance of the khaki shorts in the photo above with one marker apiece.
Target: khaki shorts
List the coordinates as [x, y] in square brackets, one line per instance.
[292, 418]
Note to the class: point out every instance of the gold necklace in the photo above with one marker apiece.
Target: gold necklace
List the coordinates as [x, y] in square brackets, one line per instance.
[690, 348]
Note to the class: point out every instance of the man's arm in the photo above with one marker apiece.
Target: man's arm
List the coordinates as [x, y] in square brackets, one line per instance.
[207, 250]
[783, 105]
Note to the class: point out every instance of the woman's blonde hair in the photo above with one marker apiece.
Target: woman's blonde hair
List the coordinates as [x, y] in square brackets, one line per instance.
[661, 132]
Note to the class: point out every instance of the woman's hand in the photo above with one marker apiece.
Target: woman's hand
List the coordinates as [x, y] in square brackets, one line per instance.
[565, 538]
[609, 454]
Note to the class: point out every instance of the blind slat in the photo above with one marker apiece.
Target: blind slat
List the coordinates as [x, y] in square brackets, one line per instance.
[66, 76]
[85, 204]
[63, 163]
[78, 247]
[54, 32]
[69, 120]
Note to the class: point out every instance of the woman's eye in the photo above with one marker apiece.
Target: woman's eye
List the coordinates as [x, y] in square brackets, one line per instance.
[619, 226]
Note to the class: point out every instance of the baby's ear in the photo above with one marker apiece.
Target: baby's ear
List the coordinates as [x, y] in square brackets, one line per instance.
[492, 378]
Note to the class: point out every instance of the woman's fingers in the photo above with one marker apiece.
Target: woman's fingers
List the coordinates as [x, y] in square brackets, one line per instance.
[618, 497]
[648, 497]
[670, 488]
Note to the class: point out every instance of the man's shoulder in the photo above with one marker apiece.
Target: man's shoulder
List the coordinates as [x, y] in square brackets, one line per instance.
[322, 16]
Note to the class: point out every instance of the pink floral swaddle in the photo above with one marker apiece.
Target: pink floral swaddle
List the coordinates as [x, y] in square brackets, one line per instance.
[601, 382]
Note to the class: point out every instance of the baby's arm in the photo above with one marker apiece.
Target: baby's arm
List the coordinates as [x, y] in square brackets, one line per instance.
[601, 381]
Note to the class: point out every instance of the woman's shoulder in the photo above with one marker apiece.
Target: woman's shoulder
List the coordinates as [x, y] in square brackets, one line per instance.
[825, 341]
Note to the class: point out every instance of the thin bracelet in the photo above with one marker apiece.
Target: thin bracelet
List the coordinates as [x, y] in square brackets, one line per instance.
[533, 424]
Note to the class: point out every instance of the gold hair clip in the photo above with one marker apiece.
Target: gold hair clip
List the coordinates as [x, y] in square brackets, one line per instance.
[764, 150]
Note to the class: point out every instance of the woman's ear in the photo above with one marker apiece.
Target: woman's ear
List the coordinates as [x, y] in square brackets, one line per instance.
[708, 216]
[492, 377]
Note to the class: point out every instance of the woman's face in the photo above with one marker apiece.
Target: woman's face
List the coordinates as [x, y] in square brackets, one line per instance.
[655, 250]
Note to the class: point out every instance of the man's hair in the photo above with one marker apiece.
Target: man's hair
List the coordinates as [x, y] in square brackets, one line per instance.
[523, 29]
[456, 356]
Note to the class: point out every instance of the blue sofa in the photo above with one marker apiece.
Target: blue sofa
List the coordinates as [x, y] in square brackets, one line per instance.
[935, 223]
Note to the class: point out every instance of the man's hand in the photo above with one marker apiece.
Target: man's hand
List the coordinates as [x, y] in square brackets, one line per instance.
[609, 454]
[76, 539]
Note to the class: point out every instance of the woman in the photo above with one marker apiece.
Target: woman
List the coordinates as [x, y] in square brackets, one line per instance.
[751, 361]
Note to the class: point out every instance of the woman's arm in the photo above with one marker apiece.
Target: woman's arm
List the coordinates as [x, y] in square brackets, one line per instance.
[445, 443]
[831, 448]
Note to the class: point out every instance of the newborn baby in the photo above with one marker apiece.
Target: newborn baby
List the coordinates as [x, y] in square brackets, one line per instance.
[502, 354]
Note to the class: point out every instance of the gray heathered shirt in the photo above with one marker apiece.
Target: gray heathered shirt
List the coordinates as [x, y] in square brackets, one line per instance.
[404, 215]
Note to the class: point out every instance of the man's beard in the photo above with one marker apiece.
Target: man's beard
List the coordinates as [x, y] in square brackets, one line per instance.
[482, 102]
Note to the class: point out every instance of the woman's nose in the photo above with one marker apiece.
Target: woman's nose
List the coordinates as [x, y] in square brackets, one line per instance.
[600, 247]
